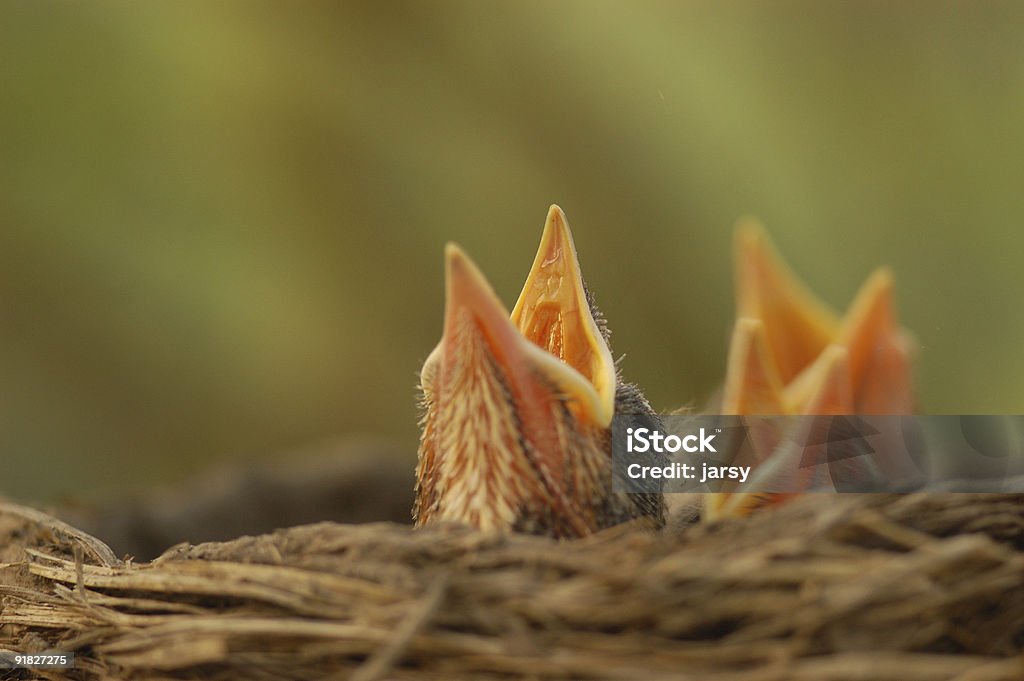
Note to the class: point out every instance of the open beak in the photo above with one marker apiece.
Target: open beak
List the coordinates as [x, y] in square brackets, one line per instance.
[791, 355]
[797, 328]
[553, 312]
[829, 395]
[495, 380]
[508, 396]
[880, 356]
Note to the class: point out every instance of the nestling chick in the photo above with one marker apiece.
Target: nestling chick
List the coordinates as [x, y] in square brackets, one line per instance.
[791, 355]
[518, 408]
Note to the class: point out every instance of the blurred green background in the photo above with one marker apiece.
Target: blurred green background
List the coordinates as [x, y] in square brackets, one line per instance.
[222, 224]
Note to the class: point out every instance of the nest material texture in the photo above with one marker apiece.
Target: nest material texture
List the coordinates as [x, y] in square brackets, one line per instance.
[830, 588]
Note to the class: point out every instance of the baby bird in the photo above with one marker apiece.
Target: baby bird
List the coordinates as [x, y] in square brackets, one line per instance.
[792, 355]
[517, 408]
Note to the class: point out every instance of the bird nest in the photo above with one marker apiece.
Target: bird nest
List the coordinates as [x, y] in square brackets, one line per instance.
[829, 588]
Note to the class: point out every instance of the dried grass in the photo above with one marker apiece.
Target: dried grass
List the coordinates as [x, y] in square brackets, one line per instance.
[911, 588]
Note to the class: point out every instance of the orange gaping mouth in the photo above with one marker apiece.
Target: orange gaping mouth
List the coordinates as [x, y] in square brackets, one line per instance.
[551, 334]
[508, 395]
[554, 313]
[791, 354]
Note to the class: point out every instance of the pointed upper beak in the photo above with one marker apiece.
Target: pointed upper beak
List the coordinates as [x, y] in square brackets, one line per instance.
[797, 324]
[515, 403]
[790, 354]
[752, 382]
[554, 313]
[472, 306]
[881, 352]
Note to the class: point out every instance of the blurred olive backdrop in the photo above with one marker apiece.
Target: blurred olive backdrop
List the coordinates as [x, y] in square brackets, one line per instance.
[222, 224]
